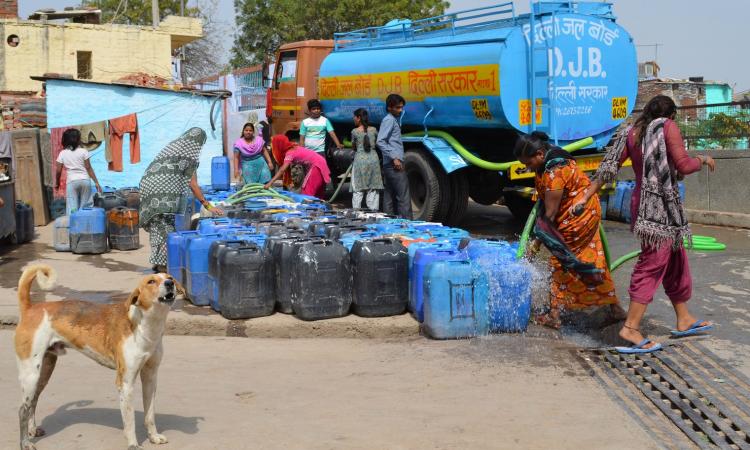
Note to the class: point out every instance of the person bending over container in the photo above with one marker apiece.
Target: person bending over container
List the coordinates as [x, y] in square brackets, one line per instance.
[367, 181]
[163, 186]
[252, 162]
[287, 153]
[79, 172]
[397, 199]
[655, 146]
[580, 276]
[312, 133]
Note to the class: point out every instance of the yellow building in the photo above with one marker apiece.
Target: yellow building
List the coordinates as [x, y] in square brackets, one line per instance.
[96, 52]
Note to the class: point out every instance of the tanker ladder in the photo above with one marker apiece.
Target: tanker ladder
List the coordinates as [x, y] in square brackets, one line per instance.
[684, 396]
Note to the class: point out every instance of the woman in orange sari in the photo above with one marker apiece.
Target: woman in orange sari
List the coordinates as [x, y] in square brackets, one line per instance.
[580, 276]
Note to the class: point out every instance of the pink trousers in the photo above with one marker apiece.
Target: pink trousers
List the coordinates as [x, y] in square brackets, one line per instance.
[314, 185]
[663, 265]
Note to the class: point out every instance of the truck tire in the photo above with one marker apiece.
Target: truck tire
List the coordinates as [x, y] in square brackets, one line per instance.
[428, 185]
[519, 206]
[486, 187]
[459, 200]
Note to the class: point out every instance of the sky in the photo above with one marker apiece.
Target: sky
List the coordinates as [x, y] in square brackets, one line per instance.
[695, 37]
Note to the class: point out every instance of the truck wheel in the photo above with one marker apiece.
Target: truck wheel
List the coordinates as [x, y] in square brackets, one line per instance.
[486, 187]
[519, 206]
[459, 200]
[428, 186]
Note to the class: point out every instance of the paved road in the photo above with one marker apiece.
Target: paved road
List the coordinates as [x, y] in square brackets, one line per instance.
[232, 393]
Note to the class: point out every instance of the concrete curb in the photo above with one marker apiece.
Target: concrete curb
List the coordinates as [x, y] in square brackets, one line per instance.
[719, 218]
[280, 326]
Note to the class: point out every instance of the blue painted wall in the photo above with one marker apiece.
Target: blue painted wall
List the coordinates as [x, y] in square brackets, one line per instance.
[162, 117]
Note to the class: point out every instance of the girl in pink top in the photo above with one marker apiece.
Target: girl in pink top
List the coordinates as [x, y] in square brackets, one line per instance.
[288, 153]
[655, 146]
[252, 163]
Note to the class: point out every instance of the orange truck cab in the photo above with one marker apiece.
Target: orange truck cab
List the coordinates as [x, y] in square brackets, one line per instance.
[295, 81]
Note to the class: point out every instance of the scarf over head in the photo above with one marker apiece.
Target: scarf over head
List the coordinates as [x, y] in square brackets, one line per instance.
[167, 178]
[661, 217]
[280, 145]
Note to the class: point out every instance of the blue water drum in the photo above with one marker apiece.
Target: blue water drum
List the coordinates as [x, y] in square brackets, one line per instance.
[88, 231]
[380, 277]
[681, 190]
[217, 247]
[423, 258]
[321, 280]
[449, 233]
[509, 284]
[510, 297]
[209, 225]
[197, 284]
[348, 239]
[627, 196]
[603, 199]
[61, 234]
[220, 178]
[245, 282]
[455, 300]
[123, 227]
[24, 223]
[176, 254]
[614, 204]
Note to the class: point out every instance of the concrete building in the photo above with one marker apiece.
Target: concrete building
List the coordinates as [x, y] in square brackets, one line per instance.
[86, 51]
[691, 92]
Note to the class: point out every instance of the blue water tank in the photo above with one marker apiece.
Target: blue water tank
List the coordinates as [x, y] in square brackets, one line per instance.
[176, 254]
[198, 285]
[456, 298]
[422, 259]
[627, 197]
[88, 231]
[472, 71]
[614, 204]
[220, 177]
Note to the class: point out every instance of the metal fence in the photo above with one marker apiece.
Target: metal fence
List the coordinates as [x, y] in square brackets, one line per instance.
[248, 87]
[715, 126]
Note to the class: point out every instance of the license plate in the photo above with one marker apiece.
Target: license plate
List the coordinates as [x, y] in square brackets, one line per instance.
[586, 163]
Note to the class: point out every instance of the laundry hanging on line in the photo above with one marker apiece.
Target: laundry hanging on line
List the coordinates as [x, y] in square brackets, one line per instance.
[118, 128]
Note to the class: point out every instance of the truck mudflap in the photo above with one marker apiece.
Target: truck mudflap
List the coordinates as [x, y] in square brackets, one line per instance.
[442, 151]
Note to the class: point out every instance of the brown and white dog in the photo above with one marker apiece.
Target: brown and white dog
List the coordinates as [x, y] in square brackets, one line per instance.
[124, 336]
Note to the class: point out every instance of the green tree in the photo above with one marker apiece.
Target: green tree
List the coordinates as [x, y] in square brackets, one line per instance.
[264, 25]
[137, 12]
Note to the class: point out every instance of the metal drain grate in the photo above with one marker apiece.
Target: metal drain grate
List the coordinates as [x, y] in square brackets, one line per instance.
[682, 394]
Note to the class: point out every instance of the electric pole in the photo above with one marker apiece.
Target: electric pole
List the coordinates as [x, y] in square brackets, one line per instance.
[155, 13]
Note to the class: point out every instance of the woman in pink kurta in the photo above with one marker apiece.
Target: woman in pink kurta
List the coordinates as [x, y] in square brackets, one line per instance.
[287, 153]
[663, 260]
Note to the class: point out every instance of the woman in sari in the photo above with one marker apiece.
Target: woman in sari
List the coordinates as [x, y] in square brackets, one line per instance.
[655, 146]
[286, 153]
[252, 162]
[164, 183]
[580, 276]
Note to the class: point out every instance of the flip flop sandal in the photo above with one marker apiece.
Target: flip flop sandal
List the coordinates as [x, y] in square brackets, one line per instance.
[639, 348]
[695, 328]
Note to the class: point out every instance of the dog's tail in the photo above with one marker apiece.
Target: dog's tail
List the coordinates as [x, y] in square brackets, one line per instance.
[45, 276]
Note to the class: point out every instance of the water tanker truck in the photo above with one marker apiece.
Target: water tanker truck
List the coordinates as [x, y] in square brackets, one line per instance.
[469, 79]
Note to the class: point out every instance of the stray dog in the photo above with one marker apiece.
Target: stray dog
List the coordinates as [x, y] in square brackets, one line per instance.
[123, 336]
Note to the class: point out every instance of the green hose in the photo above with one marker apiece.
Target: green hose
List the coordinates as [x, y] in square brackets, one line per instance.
[341, 183]
[265, 193]
[605, 243]
[489, 165]
[527, 231]
[700, 243]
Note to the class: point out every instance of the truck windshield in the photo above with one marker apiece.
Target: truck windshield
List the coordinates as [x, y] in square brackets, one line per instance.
[287, 69]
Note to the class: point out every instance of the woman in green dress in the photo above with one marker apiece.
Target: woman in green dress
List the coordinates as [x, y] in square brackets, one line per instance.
[367, 182]
[166, 180]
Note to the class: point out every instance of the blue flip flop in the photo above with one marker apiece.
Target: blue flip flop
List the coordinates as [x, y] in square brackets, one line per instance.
[639, 348]
[694, 329]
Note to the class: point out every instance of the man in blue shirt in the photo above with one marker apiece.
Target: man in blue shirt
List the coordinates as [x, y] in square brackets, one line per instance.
[396, 198]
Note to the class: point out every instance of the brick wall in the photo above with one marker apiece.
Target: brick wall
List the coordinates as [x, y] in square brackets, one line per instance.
[684, 93]
[8, 9]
